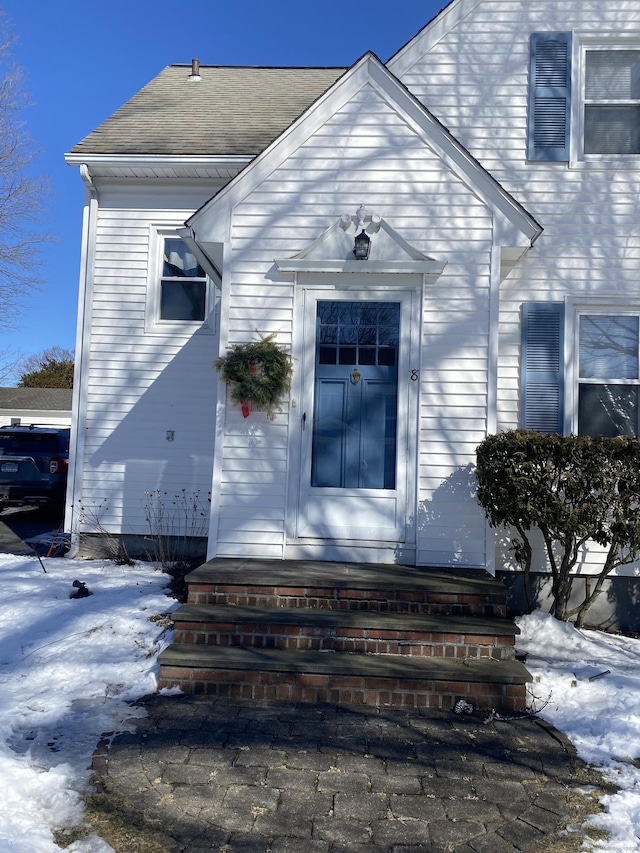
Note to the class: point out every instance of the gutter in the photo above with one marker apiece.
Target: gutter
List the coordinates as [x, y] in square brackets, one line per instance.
[81, 367]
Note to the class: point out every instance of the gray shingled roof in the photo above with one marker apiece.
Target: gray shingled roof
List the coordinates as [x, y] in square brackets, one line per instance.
[36, 399]
[232, 110]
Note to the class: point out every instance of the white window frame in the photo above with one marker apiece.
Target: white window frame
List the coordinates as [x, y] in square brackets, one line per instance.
[153, 322]
[580, 160]
[574, 311]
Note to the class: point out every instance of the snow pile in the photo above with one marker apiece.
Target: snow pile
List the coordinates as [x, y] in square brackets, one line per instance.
[67, 669]
[592, 683]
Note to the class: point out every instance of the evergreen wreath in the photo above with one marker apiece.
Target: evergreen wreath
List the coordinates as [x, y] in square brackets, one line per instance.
[258, 374]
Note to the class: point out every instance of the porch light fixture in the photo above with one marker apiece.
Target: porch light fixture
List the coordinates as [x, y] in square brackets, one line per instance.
[362, 245]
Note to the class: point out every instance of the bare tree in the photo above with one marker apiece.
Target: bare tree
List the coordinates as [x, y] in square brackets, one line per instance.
[21, 194]
[11, 361]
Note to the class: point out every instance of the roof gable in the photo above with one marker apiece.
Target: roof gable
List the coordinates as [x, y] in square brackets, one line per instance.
[430, 35]
[513, 225]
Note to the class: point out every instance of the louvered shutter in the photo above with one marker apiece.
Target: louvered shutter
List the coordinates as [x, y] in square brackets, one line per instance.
[542, 368]
[549, 96]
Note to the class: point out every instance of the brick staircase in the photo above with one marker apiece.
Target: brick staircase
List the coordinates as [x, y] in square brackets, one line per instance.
[346, 634]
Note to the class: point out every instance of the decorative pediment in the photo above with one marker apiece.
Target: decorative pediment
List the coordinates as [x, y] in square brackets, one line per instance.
[334, 250]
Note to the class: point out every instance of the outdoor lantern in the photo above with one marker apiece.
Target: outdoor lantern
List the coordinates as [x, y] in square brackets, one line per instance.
[361, 247]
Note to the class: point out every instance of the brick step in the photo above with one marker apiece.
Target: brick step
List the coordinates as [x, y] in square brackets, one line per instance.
[346, 586]
[378, 680]
[359, 631]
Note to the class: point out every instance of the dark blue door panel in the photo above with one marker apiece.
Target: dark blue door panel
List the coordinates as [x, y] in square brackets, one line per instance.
[355, 414]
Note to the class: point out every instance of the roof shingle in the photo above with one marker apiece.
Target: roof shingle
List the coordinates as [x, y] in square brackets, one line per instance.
[231, 110]
[53, 399]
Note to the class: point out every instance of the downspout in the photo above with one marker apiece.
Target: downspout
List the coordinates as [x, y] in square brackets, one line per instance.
[81, 367]
[221, 410]
[492, 382]
[494, 333]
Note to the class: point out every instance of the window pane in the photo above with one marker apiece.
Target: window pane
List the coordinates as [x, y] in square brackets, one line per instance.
[608, 347]
[367, 333]
[182, 300]
[612, 130]
[327, 354]
[178, 261]
[612, 75]
[608, 410]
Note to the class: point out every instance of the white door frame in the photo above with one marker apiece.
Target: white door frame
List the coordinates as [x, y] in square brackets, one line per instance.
[328, 544]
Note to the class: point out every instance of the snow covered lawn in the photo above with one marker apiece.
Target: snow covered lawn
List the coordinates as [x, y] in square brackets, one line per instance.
[68, 667]
[592, 683]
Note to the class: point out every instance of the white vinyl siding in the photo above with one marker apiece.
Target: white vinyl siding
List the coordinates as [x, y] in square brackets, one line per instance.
[362, 154]
[138, 386]
[475, 80]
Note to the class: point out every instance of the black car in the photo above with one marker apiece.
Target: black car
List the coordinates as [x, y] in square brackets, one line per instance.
[33, 466]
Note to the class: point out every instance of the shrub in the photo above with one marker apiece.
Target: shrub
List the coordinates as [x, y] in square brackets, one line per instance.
[572, 489]
[176, 522]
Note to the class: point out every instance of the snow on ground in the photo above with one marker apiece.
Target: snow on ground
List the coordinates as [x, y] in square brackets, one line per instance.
[68, 667]
[592, 683]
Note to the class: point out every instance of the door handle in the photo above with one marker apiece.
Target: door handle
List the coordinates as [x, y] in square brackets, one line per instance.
[304, 420]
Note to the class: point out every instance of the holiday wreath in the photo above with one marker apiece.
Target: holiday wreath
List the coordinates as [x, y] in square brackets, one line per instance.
[258, 374]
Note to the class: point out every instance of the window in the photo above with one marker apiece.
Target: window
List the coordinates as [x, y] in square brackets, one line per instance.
[183, 284]
[608, 375]
[611, 101]
[601, 118]
[604, 380]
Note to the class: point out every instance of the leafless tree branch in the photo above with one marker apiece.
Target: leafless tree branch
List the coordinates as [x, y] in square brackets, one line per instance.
[21, 193]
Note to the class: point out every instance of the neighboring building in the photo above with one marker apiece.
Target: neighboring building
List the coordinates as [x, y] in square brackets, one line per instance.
[38, 406]
[494, 163]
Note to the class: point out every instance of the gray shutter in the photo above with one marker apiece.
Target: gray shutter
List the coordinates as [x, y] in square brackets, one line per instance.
[542, 367]
[549, 96]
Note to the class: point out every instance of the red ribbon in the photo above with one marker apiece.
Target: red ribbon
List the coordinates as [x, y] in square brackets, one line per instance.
[244, 407]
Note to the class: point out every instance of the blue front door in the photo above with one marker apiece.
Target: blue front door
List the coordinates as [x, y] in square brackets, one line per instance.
[354, 443]
[356, 402]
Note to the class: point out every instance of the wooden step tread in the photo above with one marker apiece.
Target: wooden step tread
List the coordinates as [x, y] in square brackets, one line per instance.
[368, 576]
[485, 670]
[360, 619]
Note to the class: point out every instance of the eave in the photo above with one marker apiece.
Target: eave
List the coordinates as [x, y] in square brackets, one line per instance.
[177, 166]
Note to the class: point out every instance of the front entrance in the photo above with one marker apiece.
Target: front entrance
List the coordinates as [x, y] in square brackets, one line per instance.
[354, 416]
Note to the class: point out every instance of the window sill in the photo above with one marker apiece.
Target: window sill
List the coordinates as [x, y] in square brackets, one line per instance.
[185, 329]
[602, 163]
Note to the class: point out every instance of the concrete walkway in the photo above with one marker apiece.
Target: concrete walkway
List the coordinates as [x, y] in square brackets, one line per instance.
[239, 777]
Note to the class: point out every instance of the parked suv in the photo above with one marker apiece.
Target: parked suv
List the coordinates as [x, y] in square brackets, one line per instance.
[33, 466]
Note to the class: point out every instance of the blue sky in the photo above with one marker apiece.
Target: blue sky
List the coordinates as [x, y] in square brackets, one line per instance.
[83, 59]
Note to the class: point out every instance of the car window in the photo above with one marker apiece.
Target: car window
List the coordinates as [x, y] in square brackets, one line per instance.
[29, 443]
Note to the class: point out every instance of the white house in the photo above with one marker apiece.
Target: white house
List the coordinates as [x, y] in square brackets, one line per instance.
[493, 163]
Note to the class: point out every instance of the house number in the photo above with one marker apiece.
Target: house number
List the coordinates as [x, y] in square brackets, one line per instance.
[414, 375]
